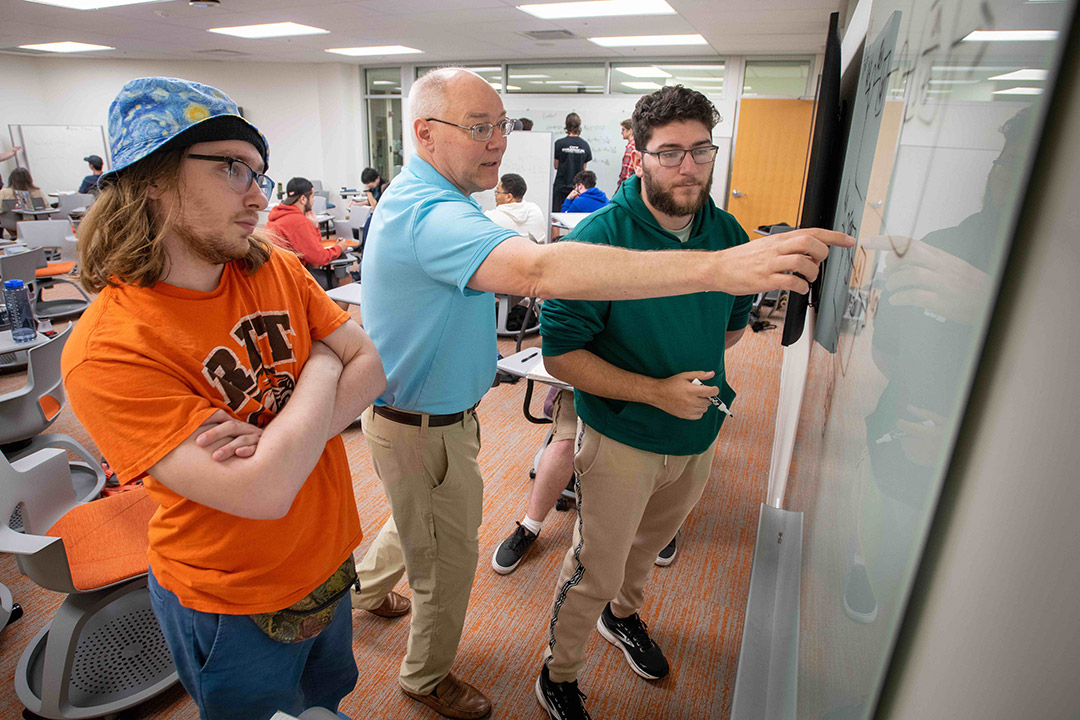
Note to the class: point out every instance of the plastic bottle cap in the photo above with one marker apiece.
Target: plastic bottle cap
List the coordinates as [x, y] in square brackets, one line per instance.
[13, 284]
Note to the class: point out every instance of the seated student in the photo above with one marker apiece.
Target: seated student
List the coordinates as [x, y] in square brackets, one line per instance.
[374, 186]
[20, 180]
[514, 212]
[90, 182]
[293, 227]
[585, 197]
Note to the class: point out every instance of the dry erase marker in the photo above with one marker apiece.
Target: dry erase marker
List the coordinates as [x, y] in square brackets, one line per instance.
[715, 401]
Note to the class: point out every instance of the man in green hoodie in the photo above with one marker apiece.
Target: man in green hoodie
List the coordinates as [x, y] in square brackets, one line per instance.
[645, 374]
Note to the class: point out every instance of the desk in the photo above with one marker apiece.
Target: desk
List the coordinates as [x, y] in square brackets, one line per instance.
[324, 222]
[529, 364]
[350, 193]
[35, 214]
[348, 293]
[7, 345]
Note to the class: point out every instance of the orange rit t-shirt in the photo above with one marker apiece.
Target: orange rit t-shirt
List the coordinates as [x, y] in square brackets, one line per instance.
[145, 367]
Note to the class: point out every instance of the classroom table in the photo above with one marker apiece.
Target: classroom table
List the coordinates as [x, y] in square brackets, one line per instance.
[348, 293]
[529, 364]
[7, 345]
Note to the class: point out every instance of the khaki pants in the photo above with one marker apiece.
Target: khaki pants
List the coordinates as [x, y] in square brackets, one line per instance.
[630, 504]
[436, 493]
[381, 568]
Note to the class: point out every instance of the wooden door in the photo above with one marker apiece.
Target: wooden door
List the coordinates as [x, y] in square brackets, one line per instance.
[768, 167]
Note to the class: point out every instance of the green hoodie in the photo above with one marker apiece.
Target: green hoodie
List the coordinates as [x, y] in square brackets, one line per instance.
[659, 337]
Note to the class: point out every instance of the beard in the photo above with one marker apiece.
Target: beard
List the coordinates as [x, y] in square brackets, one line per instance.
[661, 198]
[208, 247]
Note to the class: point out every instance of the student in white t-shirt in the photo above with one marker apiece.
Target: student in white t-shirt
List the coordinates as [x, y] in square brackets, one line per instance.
[512, 212]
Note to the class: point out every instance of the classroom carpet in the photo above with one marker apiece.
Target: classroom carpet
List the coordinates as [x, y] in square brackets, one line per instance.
[694, 607]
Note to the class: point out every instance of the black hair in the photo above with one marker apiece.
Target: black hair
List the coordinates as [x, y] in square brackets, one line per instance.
[514, 184]
[369, 175]
[526, 123]
[667, 105]
[586, 178]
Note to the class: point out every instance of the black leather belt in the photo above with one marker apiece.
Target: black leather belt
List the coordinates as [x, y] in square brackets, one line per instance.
[415, 419]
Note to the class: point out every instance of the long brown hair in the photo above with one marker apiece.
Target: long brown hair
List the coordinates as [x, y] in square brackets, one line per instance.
[20, 179]
[121, 239]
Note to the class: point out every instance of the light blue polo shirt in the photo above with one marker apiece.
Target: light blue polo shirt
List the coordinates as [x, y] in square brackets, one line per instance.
[436, 336]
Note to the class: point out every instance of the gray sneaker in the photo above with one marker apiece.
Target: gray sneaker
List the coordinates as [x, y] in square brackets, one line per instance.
[511, 551]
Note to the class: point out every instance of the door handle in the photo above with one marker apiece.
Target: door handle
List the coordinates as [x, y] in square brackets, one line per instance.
[736, 193]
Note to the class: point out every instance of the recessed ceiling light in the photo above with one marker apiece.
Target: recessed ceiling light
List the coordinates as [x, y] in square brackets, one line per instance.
[1019, 91]
[1010, 35]
[66, 47]
[512, 87]
[374, 50]
[642, 85]
[92, 4]
[1025, 74]
[383, 82]
[597, 8]
[204, 3]
[269, 30]
[631, 40]
[644, 72]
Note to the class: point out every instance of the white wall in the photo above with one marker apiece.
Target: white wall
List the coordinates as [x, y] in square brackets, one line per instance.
[309, 113]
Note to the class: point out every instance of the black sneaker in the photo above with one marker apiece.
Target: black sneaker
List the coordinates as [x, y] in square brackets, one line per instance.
[632, 637]
[511, 551]
[563, 701]
[667, 555]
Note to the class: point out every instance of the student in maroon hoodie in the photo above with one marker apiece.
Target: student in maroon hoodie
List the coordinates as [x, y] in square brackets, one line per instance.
[293, 227]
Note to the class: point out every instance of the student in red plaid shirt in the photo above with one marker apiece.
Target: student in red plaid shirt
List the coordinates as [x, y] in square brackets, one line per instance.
[628, 156]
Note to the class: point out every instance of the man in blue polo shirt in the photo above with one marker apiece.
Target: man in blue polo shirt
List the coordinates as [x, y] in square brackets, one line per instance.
[432, 263]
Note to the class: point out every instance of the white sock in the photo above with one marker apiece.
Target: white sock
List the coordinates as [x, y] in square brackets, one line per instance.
[531, 525]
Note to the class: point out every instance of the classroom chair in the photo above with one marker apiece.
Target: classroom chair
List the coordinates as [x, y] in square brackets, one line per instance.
[74, 206]
[103, 652]
[55, 237]
[27, 412]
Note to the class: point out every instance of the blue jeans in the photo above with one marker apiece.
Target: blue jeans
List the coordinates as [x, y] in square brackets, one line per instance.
[235, 671]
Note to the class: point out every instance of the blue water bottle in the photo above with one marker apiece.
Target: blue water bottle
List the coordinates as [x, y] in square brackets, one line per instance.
[20, 314]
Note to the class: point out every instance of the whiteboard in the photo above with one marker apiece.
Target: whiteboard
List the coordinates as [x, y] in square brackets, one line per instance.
[529, 155]
[54, 153]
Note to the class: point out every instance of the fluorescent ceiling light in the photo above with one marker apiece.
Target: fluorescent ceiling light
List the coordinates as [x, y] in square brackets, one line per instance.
[374, 50]
[484, 69]
[1010, 35]
[512, 87]
[641, 85]
[527, 77]
[1019, 91]
[1025, 74]
[91, 4]
[66, 47]
[644, 72]
[269, 30]
[383, 82]
[642, 40]
[597, 8]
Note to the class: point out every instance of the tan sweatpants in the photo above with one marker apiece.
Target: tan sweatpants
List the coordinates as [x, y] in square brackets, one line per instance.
[630, 504]
[433, 482]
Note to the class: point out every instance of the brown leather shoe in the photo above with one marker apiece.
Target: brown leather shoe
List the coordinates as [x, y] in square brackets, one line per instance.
[454, 698]
[393, 606]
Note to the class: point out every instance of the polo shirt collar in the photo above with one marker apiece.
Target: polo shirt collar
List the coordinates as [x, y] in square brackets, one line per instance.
[426, 172]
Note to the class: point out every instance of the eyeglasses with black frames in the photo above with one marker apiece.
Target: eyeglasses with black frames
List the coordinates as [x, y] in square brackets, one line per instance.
[481, 132]
[674, 158]
[240, 175]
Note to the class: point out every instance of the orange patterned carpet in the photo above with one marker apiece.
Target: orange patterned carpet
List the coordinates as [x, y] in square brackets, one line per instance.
[694, 607]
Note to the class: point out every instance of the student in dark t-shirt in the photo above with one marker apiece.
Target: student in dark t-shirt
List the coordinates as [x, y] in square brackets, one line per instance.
[572, 154]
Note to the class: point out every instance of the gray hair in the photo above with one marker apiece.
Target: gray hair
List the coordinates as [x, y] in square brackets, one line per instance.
[429, 96]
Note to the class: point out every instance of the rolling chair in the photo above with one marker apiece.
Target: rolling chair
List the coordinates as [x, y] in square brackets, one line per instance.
[103, 652]
[27, 412]
[55, 237]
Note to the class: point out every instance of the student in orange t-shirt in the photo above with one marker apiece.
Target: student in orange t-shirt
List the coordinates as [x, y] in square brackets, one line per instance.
[214, 368]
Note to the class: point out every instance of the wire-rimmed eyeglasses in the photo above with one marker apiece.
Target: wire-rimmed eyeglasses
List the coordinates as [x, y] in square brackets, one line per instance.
[674, 158]
[240, 175]
[481, 132]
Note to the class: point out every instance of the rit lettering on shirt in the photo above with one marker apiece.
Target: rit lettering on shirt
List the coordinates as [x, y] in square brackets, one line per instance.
[260, 388]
